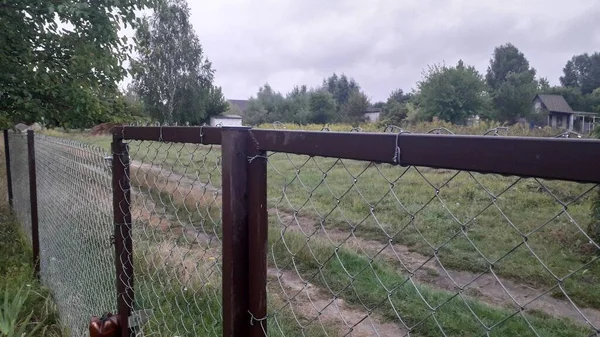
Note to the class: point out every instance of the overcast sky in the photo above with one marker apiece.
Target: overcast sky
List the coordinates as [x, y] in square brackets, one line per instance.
[383, 44]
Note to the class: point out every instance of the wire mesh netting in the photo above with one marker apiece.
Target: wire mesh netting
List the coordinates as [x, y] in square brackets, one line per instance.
[176, 217]
[19, 167]
[365, 249]
[75, 229]
[355, 248]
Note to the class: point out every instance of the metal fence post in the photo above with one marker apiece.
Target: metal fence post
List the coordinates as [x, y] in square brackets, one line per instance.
[244, 235]
[35, 238]
[235, 232]
[8, 172]
[258, 228]
[123, 238]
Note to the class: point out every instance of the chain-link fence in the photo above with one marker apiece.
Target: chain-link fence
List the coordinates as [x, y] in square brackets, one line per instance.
[365, 249]
[368, 235]
[74, 203]
[19, 167]
[176, 217]
[75, 228]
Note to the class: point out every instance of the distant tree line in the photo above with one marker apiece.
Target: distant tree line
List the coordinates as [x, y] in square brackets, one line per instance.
[69, 77]
[338, 99]
[450, 93]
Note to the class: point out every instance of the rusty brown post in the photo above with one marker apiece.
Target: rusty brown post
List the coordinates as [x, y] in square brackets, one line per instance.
[258, 227]
[8, 172]
[35, 238]
[122, 233]
[236, 317]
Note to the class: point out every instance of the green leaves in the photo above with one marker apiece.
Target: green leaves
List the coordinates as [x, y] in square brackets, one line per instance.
[353, 111]
[171, 74]
[453, 94]
[512, 82]
[10, 326]
[583, 72]
[59, 73]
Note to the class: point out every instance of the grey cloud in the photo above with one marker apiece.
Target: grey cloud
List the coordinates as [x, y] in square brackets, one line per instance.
[383, 44]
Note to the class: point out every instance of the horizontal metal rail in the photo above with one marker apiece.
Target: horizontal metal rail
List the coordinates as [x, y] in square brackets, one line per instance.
[548, 158]
[173, 134]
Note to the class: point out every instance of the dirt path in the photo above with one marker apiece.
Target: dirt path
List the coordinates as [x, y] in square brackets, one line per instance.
[184, 181]
[313, 303]
[485, 288]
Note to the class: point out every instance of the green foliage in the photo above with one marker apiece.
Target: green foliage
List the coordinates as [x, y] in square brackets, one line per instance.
[59, 57]
[26, 309]
[338, 99]
[171, 75]
[512, 82]
[394, 113]
[452, 94]
[353, 111]
[267, 107]
[512, 98]
[594, 101]
[506, 60]
[341, 88]
[413, 114]
[399, 96]
[583, 72]
[297, 105]
[378, 105]
[10, 325]
[396, 109]
[322, 107]
[543, 84]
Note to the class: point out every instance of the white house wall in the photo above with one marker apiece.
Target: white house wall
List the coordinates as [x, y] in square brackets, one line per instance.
[225, 121]
[372, 117]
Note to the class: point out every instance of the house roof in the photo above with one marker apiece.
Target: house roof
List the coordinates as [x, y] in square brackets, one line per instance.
[228, 117]
[555, 103]
[240, 103]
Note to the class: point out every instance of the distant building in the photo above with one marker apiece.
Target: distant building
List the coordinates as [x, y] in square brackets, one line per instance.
[239, 104]
[372, 115]
[560, 115]
[226, 120]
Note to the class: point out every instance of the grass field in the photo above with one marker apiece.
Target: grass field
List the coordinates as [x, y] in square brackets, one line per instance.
[468, 221]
